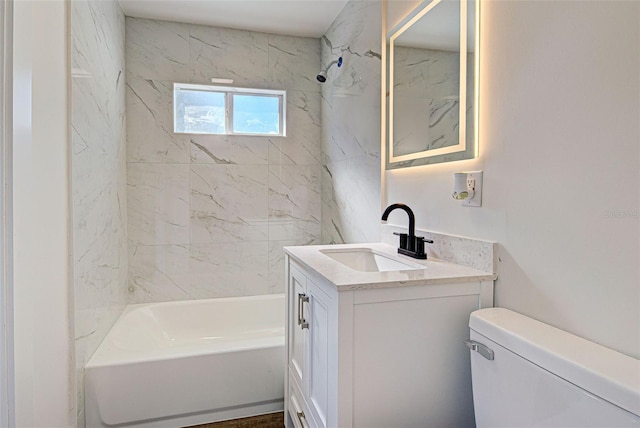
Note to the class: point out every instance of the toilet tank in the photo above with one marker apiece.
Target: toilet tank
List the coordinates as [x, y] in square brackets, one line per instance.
[541, 376]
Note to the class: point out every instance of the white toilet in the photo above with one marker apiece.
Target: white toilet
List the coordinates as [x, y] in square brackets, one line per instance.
[528, 374]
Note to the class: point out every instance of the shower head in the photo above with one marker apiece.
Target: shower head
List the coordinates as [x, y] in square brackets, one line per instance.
[322, 76]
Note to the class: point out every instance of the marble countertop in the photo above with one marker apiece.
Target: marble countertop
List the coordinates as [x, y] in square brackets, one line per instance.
[344, 278]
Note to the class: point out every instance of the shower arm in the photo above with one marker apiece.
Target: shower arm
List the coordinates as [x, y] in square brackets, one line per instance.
[326, 70]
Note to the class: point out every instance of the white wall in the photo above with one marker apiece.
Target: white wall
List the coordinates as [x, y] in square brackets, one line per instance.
[559, 146]
[43, 359]
[6, 288]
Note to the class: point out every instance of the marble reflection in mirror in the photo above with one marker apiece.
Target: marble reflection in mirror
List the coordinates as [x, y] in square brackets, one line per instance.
[432, 95]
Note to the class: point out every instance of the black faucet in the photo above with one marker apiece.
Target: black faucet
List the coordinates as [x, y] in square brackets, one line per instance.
[410, 244]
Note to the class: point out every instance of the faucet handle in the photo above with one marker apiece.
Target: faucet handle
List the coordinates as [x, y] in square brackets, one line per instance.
[420, 241]
[421, 238]
[403, 239]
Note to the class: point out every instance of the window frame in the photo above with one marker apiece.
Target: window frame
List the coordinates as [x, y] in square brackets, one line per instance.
[229, 92]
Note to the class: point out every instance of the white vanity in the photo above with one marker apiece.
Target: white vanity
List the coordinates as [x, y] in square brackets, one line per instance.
[375, 339]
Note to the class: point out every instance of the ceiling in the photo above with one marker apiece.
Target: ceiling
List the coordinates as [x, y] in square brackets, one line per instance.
[308, 18]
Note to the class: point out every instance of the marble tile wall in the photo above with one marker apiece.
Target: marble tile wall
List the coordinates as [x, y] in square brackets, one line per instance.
[350, 117]
[208, 215]
[426, 85]
[474, 253]
[98, 168]
[426, 82]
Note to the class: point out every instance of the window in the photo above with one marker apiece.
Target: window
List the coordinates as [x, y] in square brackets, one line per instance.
[204, 109]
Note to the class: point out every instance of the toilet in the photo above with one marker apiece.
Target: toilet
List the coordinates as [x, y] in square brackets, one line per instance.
[529, 374]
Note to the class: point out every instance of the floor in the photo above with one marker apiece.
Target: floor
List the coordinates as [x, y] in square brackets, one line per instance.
[273, 420]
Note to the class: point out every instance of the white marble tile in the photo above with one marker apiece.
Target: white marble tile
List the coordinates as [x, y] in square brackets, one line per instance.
[283, 229]
[99, 245]
[411, 135]
[351, 200]
[410, 71]
[294, 202]
[351, 102]
[158, 273]
[228, 269]
[150, 136]
[350, 121]
[294, 62]
[426, 108]
[352, 211]
[276, 262]
[92, 325]
[301, 146]
[98, 44]
[425, 73]
[238, 205]
[346, 134]
[158, 203]
[229, 203]
[354, 35]
[99, 285]
[357, 27]
[230, 54]
[98, 122]
[294, 192]
[331, 232]
[430, 78]
[229, 149]
[424, 124]
[98, 177]
[158, 50]
[444, 80]
[97, 128]
[474, 253]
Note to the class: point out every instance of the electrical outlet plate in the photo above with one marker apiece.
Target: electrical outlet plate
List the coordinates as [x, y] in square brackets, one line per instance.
[474, 180]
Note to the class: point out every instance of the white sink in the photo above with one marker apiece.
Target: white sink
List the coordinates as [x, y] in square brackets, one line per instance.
[368, 260]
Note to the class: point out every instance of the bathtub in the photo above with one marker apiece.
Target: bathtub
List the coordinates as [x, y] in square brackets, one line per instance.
[191, 362]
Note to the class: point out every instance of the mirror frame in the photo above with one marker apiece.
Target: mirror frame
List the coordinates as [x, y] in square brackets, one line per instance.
[442, 154]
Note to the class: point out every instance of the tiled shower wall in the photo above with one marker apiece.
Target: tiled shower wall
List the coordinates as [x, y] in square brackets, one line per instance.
[208, 215]
[98, 168]
[351, 126]
[426, 87]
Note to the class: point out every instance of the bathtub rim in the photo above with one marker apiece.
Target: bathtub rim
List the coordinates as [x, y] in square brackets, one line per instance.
[108, 355]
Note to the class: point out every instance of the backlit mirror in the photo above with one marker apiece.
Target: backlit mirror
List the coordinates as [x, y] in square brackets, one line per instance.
[432, 91]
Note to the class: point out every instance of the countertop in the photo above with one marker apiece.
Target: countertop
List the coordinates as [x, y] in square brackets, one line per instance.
[345, 278]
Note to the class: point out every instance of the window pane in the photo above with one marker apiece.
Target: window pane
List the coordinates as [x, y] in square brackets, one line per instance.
[254, 114]
[199, 112]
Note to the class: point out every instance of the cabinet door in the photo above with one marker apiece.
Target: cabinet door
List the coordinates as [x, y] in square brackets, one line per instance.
[319, 314]
[297, 323]
[296, 408]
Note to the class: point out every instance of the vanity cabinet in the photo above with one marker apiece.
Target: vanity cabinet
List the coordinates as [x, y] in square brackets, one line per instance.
[375, 356]
[310, 324]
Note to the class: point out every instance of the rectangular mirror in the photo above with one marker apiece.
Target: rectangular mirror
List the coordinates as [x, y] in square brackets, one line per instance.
[432, 90]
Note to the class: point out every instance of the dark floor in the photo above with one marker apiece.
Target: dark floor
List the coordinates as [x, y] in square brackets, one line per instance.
[272, 420]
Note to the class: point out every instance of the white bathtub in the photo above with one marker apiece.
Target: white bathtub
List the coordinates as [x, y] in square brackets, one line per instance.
[185, 363]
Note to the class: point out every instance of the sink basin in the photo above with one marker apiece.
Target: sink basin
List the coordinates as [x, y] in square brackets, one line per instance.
[368, 260]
